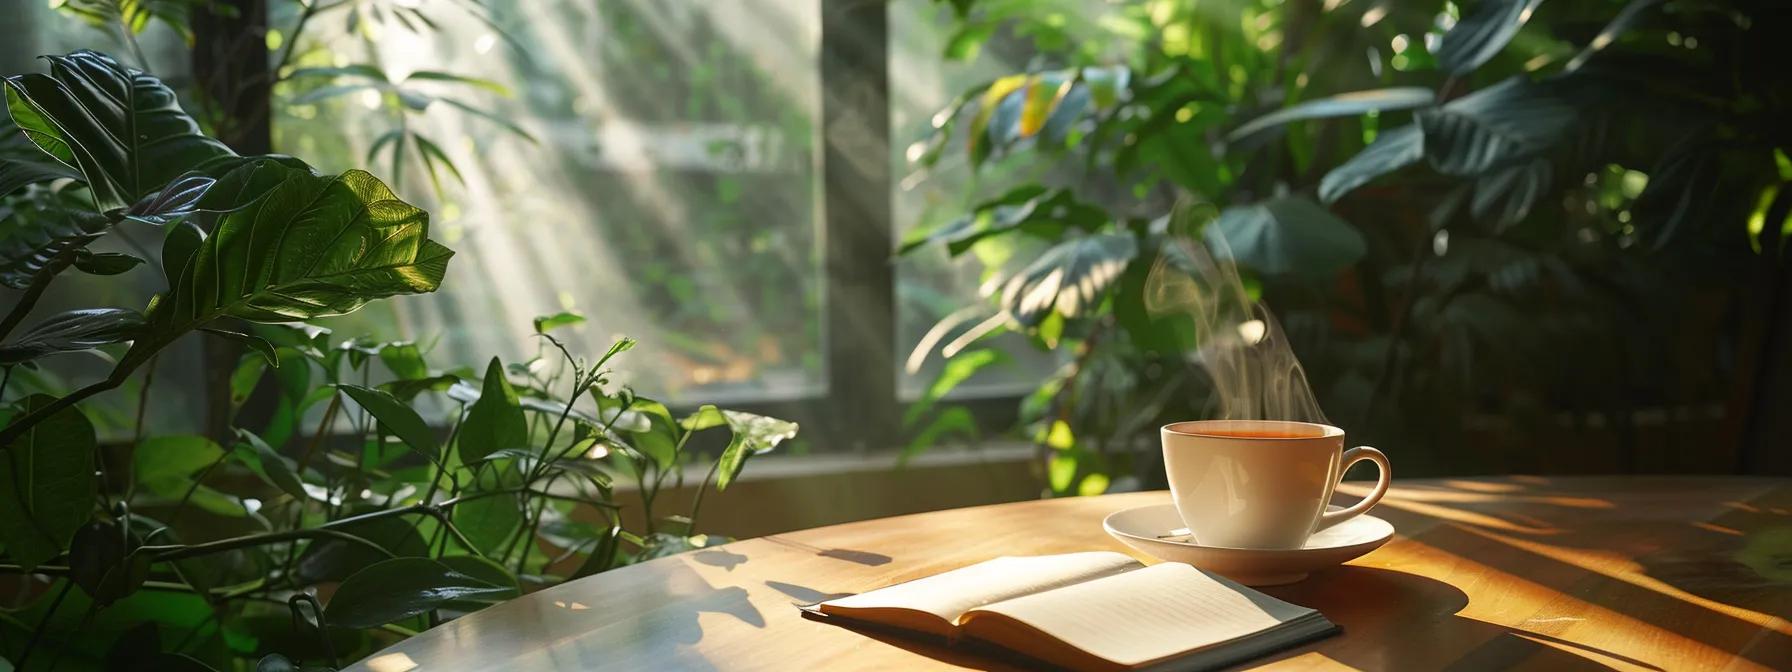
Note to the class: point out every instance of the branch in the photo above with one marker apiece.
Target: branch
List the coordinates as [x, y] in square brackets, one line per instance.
[178, 552]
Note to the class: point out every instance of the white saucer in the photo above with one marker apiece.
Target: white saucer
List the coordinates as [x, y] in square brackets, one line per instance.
[1142, 527]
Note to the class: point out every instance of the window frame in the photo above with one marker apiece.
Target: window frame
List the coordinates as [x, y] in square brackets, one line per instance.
[861, 408]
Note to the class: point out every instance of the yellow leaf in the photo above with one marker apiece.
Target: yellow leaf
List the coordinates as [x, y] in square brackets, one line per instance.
[1043, 96]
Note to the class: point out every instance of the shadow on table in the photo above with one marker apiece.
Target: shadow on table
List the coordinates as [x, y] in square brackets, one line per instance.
[865, 558]
[1682, 563]
[1399, 621]
[1735, 553]
[588, 635]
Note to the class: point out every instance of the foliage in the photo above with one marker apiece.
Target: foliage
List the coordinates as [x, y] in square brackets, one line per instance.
[1474, 218]
[401, 100]
[339, 511]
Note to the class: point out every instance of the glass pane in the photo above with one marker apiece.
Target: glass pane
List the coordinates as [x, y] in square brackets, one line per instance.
[669, 193]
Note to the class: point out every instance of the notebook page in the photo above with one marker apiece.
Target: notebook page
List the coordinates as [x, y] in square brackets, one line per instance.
[1149, 614]
[949, 594]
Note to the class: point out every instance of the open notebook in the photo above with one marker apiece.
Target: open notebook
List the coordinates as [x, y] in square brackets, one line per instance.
[1091, 611]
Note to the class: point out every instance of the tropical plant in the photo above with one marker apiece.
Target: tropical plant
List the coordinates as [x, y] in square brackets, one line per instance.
[269, 546]
[1473, 218]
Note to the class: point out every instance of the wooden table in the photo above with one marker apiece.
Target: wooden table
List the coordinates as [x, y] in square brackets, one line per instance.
[1658, 573]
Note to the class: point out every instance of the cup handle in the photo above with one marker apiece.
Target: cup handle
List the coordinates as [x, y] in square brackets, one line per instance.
[1351, 457]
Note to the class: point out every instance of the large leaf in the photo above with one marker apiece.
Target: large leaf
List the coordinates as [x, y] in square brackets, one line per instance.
[166, 464]
[103, 563]
[1505, 196]
[400, 588]
[22, 163]
[72, 331]
[397, 417]
[753, 434]
[494, 422]
[489, 521]
[1499, 126]
[39, 242]
[1391, 151]
[336, 559]
[1340, 105]
[269, 464]
[1290, 235]
[1032, 209]
[1485, 28]
[309, 247]
[46, 484]
[123, 129]
[1067, 278]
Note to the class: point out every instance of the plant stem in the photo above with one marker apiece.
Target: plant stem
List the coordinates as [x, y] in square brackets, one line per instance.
[177, 552]
[697, 503]
[528, 537]
[149, 380]
[29, 420]
[27, 301]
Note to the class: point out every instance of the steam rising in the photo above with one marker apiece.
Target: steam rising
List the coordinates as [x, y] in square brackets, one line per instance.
[1254, 372]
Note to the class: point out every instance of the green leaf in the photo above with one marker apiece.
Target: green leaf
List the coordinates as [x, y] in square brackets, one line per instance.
[1499, 126]
[47, 484]
[122, 128]
[22, 163]
[1291, 235]
[495, 421]
[1069, 278]
[166, 464]
[270, 465]
[502, 122]
[243, 380]
[489, 521]
[335, 559]
[175, 200]
[72, 331]
[547, 323]
[1340, 105]
[1107, 84]
[1624, 21]
[484, 569]
[659, 441]
[1483, 30]
[438, 76]
[957, 370]
[753, 434]
[179, 247]
[108, 263]
[399, 419]
[255, 344]
[372, 72]
[39, 243]
[1505, 196]
[400, 588]
[102, 563]
[707, 416]
[309, 247]
[404, 359]
[1391, 151]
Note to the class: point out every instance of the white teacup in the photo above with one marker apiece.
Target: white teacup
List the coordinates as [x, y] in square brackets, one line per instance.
[1261, 483]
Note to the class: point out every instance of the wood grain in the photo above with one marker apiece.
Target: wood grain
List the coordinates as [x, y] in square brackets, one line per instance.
[1639, 573]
